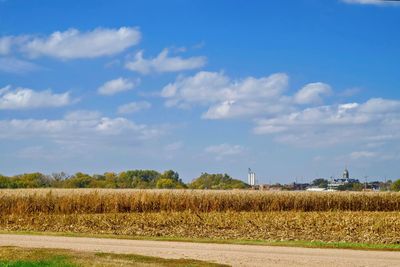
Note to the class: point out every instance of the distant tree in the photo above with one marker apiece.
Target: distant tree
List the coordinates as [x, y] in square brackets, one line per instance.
[57, 179]
[170, 179]
[351, 187]
[79, 180]
[395, 185]
[30, 180]
[216, 181]
[140, 178]
[320, 182]
[357, 187]
[5, 182]
[111, 180]
[166, 183]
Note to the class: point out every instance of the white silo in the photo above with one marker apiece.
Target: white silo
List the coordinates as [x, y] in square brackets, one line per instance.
[251, 178]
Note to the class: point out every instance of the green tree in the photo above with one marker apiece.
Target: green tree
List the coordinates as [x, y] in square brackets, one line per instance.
[395, 185]
[4, 181]
[170, 179]
[79, 180]
[30, 180]
[217, 181]
[111, 180]
[320, 182]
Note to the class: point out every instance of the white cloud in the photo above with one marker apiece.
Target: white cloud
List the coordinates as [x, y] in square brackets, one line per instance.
[73, 44]
[116, 86]
[5, 45]
[224, 150]
[25, 98]
[8, 43]
[82, 115]
[73, 129]
[284, 119]
[372, 2]
[13, 65]
[312, 93]
[228, 98]
[362, 154]
[164, 63]
[327, 125]
[133, 107]
[380, 105]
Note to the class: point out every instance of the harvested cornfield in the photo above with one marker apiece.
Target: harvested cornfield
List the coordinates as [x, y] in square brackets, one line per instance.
[128, 201]
[309, 216]
[358, 227]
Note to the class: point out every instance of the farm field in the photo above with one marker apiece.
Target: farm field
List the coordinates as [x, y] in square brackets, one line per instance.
[368, 218]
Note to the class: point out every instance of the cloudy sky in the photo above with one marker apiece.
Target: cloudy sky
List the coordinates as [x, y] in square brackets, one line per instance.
[292, 90]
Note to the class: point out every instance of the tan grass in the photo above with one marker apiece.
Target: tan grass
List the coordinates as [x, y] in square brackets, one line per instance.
[66, 201]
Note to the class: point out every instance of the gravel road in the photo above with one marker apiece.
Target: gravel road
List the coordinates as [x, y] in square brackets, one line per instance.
[235, 255]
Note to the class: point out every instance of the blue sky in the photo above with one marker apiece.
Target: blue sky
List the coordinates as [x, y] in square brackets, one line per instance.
[292, 89]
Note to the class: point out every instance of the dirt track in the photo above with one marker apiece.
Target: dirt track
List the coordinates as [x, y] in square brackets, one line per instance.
[236, 255]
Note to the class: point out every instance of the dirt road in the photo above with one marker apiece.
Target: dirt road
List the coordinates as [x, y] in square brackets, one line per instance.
[235, 255]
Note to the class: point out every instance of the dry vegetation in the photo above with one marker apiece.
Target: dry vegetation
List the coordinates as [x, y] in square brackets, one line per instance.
[68, 201]
[310, 216]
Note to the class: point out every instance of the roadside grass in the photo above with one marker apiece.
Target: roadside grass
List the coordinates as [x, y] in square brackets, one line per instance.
[31, 257]
[294, 243]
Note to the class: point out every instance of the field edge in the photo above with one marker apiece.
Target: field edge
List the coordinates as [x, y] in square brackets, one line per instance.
[277, 243]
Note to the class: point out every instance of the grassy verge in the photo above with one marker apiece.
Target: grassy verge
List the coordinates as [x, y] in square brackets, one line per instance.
[23, 257]
[297, 243]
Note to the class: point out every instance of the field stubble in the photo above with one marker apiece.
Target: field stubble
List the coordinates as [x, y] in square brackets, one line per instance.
[329, 217]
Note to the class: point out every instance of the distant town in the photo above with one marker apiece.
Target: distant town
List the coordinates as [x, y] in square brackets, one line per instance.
[344, 183]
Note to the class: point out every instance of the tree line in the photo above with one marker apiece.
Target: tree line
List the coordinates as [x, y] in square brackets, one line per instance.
[140, 179]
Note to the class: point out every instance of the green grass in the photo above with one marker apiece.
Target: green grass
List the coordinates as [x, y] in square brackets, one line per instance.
[36, 263]
[29, 257]
[297, 243]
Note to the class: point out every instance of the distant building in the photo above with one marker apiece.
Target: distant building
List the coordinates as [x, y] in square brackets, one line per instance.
[335, 183]
[251, 178]
[346, 174]
[315, 189]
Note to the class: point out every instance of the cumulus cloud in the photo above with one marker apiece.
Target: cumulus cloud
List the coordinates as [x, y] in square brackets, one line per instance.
[8, 43]
[332, 124]
[116, 86]
[72, 44]
[73, 128]
[82, 115]
[164, 63]
[227, 98]
[297, 119]
[224, 150]
[14, 65]
[25, 98]
[312, 93]
[372, 2]
[133, 107]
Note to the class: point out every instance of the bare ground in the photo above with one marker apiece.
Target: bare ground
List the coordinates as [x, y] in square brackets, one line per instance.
[235, 255]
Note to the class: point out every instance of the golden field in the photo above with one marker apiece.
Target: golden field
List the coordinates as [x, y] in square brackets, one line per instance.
[68, 201]
[255, 215]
